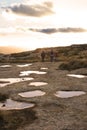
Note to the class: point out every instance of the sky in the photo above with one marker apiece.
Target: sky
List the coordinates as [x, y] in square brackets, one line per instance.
[32, 24]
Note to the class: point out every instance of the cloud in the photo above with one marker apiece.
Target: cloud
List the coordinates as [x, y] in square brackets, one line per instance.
[71, 30]
[47, 31]
[37, 10]
[62, 30]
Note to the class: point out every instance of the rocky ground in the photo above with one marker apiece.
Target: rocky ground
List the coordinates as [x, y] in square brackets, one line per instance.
[50, 112]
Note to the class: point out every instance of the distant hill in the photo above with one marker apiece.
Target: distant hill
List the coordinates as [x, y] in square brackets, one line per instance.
[10, 49]
[63, 54]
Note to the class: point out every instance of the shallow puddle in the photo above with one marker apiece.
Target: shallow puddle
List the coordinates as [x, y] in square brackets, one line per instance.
[76, 76]
[67, 94]
[32, 93]
[38, 83]
[5, 66]
[12, 105]
[26, 73]
[7, 81]
[43, 68]
[25, 65]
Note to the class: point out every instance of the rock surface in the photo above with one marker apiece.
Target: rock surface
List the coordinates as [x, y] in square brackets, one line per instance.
[50, 112]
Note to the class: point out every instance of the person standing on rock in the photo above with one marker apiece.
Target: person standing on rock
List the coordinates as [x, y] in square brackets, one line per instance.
[43, 56]
[51, 56]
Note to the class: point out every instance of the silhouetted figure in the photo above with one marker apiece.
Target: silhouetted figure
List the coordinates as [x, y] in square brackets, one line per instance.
[55, 56]
[43, 56]
[51, 56]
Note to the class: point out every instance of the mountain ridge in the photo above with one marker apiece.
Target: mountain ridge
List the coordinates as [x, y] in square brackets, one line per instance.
[67, 53]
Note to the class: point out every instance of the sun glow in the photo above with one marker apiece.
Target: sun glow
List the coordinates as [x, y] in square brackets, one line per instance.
[69, 17]
[9, 16]
[16, 29]
[31, 41]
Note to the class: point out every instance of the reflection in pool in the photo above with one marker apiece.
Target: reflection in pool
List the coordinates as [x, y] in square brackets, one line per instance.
[25, 73]
[11, 105]
[7, 81]
[32, 93]
[67, 94]
[25, 65]
[5, 66]
[44, 68]
[38, 83]
[77, 76]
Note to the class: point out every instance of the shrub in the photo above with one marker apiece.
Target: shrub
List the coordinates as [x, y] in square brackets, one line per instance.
[73, 65]
[3, 97]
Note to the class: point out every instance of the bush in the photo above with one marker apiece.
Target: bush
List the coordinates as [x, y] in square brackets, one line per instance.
[3, 97]
[73, 65]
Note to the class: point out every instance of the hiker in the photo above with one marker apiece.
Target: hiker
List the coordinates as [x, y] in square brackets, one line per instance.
[51, 56]
[55, 56]
[43, 56]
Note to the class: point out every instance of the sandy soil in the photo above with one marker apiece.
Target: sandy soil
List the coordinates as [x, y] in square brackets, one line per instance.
[52, 113]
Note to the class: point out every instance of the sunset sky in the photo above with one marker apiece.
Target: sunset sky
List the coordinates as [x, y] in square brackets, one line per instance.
[32, 24]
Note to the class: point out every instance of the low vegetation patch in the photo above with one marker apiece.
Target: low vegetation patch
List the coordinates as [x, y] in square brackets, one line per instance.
[12, 120]
[3, 97]
[72, 65]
